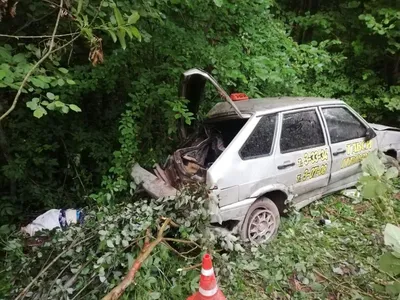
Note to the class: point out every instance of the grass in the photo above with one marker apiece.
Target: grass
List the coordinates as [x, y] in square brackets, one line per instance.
[306, 260]
[312, 261]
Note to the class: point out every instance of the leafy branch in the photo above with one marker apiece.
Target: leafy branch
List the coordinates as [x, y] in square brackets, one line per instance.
[39, 62]
[38, 36]
[116, 292]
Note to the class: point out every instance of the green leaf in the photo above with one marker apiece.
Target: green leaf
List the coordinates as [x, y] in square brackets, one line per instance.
[128, 31]
[391, 236]
[51, 106]
[219, 2]
[71, 82]
[110, 244]
[79, 8]
[5, 229]
[373, 189]
[44, 103]
[60, 82]
[391, 173]
[59, 104]
[39, 112]
[63, 70]
[130, 260]
[5, 54]
[373, 165]
[50, 95]
[33, 104]
[113, 36]
[393, 289]
[2, 74]
[251, 266]
[20, 57]
[45, 79]
[390, 264]
[134, 17]
[121, 37]
[118, 16]
[155, 295]
[38, 83]
[65, 109]
[136, 33]
[75, 108]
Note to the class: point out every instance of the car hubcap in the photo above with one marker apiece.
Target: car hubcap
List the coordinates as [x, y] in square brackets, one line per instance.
[262, 226]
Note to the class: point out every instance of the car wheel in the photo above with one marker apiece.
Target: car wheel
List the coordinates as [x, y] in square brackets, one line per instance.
[261, 222]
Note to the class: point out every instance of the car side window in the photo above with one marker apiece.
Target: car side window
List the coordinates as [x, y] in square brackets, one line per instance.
[301, 130]
[259, 143]
[343, 125]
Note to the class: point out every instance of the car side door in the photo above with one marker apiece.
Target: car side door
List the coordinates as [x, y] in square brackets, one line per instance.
[348, 144]
[303, 159]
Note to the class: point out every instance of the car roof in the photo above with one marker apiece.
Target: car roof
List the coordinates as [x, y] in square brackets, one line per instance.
[267, 105]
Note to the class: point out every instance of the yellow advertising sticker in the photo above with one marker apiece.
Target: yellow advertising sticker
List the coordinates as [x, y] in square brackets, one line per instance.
[312, 172]
[313, 157]
[353, 153]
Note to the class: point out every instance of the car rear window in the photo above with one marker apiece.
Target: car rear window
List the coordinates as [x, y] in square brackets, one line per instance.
[259, 143]
[343, 125]
[301, 130]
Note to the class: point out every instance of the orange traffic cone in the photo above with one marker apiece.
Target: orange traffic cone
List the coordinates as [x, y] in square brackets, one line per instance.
[208, 289]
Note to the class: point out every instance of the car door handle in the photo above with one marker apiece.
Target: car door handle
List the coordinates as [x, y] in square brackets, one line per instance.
[339, 152]
[287, 165]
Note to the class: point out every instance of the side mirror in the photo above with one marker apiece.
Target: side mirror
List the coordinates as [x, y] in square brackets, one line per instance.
[369, 134]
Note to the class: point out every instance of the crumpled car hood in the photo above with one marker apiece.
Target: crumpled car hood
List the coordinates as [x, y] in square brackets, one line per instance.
[380, 127]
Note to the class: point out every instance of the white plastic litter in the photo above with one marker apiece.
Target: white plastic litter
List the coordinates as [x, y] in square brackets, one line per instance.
[353, 194]
[49, 220]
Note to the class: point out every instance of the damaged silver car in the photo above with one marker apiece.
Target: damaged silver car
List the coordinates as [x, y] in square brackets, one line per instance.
[257, 156]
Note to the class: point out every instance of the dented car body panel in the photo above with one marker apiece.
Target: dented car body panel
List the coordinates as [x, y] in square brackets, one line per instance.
[302, 147]
[388, 138]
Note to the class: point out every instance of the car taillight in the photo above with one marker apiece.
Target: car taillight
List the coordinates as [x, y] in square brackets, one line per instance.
[239, 97]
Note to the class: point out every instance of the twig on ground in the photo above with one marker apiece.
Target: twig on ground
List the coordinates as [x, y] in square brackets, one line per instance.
[86, 285]
[174, 250]
[383, 272]
[173, 224]
[190, 268]
[341, 284]
[26, 289]
[182, 241]
[72, 280]
[58, 276]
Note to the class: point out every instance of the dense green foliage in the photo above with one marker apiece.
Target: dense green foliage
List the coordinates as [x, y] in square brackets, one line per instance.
[105, 95]
[366, 34]
[345, 259]
[91, 120]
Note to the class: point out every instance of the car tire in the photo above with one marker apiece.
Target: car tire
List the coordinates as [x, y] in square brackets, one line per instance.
[262, 222]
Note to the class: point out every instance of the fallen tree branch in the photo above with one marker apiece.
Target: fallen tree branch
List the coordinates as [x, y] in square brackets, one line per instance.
[37, 36]
[39, 62]
[26, 289]
[116, 292]
[148, 247]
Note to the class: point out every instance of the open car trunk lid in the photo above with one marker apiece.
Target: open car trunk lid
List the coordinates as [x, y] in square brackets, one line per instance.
[193, 88]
